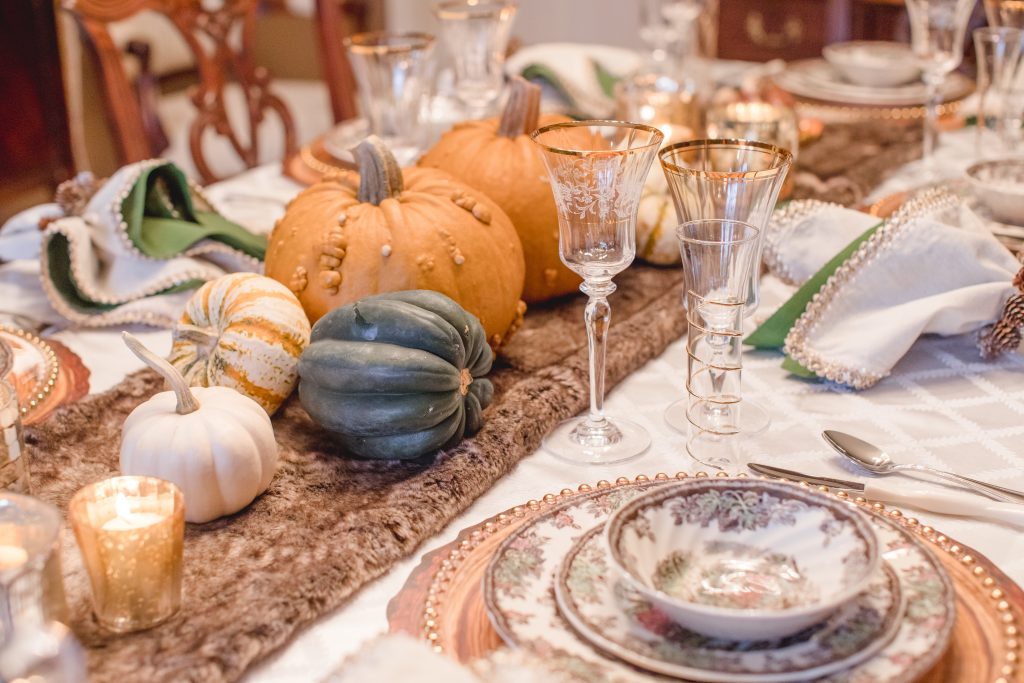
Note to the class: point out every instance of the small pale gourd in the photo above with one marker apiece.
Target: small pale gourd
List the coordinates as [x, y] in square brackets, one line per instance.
[243, 331]
[214, 443]
[656, 223]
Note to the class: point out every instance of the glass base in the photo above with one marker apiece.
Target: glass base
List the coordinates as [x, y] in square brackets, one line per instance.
[716, 451]
[620, 440]
[753, 418]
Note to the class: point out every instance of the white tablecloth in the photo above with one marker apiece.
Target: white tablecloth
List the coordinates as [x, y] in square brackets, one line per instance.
[942, 406]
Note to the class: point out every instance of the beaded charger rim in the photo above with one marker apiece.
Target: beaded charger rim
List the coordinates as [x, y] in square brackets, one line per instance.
[45, 380]
[421, 607]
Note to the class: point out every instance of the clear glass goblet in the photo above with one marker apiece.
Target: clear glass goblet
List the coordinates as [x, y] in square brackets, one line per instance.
[476, 34]
[668, 28]
[597, 171]
[937, 32]
[997, 50]
[718, 256]
[394, 73]
[736, 180]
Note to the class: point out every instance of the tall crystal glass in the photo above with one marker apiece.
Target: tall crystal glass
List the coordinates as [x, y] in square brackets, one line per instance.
[476, 34]
[997, 50]
[937, 32]
[718, 256]
[668, 28]
[737, 180]
[394, 73]
[1008, 13]
[597, 171]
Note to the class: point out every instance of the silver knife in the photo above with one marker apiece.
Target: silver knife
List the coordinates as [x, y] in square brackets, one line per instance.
[910, 493]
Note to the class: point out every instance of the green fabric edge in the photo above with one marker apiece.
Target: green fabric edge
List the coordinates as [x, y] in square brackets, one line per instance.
[59, 266]
[771, 334]
[154, 230]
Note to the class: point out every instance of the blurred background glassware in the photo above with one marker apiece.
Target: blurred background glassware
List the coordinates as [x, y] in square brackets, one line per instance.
[476, 34]
[718, 257]
[669, 29]
[14, 467]
[394, 72]
[757, 121]
[667, 103]
[735, 180]
[597, 171]
[1008, 13]
[937, 32]
[997, 49]
[33, 644]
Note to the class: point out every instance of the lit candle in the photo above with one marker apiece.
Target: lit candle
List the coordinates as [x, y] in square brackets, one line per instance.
[131, 534]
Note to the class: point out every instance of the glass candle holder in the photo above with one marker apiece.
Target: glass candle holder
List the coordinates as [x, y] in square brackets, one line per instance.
[131, 531]
[758, 121]
[31, 584]
[670, 105]
[14, 475]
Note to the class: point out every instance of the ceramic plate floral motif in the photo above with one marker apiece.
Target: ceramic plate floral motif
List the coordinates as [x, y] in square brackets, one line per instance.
[519, 595]
[618, 620]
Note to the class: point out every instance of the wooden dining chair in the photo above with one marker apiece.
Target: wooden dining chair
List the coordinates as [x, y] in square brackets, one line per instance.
[220, 40]
[341, 83]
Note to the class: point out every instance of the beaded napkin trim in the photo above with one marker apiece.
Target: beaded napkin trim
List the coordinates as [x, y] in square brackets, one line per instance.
[797, 341]
[781, 226]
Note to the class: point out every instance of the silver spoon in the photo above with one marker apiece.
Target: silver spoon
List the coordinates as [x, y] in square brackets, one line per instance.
[874, 459]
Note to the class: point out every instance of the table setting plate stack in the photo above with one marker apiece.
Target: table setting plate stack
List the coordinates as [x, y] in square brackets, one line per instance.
[883, 597]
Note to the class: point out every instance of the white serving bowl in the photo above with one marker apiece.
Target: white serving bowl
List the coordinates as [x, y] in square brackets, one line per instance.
[743, 559]
[999, 184]
[873, 63]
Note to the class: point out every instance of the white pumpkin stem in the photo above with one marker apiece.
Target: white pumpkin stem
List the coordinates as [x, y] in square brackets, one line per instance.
[187, 402]
[380, 176]
[522, 110]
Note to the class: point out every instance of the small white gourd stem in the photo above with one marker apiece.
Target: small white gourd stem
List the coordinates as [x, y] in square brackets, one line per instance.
[187, 402]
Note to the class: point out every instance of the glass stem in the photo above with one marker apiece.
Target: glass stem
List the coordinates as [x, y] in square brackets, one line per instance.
[598, 316]
[931, 123]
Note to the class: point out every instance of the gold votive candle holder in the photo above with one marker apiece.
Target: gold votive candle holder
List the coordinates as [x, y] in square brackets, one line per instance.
[31, 581]
[131, 531]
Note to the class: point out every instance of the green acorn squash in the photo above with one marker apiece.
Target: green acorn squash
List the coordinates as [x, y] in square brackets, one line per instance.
[397, 376]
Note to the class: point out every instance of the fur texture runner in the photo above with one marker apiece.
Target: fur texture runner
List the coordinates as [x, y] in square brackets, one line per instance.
[328, 524]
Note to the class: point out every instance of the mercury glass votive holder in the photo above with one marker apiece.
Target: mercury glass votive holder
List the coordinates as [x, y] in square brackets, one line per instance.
[131, 532]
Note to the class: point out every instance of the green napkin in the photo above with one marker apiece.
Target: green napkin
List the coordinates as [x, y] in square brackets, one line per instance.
[163, 222]
[772, 332]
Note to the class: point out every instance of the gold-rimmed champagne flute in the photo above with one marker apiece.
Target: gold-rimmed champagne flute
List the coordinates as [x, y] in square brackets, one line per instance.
[597, 170]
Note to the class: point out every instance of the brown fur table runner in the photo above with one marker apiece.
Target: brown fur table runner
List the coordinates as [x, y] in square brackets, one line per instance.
[328, 525]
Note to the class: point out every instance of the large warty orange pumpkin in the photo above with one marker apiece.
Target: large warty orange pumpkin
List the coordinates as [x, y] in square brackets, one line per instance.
[386, 229]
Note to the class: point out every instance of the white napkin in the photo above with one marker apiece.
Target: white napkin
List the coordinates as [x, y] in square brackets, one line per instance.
[931, 268]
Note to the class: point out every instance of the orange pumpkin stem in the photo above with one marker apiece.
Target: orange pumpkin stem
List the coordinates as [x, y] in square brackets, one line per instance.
[522, 109]
[380, 176]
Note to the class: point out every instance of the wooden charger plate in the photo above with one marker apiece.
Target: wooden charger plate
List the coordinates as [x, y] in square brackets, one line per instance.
[442, 600]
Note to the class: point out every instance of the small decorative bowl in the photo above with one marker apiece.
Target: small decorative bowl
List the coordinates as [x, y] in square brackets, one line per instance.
[743, 559]
[873, 63]
[999, 184]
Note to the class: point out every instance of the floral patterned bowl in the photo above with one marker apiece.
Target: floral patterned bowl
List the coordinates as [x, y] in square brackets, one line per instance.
[743, 559]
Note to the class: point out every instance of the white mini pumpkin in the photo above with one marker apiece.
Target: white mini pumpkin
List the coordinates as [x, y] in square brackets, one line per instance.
[243, 331]
[215, 444]
[656, 223]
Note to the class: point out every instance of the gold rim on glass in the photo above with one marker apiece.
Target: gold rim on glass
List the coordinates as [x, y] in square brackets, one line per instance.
[384, 42]
[784, 157]
[597, 123]
[732, 242]
[468, 9]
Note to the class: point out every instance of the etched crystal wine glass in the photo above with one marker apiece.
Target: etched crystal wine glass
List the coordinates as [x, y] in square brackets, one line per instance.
[737, 180]
[597, 171]
[476, 34]
[937, 32]
[717, 256]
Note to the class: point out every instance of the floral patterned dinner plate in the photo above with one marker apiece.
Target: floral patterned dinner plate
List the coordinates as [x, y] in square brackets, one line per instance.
[618, 620]
[519, 596]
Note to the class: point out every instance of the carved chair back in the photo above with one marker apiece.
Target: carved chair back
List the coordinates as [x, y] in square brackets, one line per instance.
[220, 36]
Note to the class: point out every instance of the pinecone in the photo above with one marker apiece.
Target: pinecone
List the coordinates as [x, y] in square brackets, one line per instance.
[1005, 334]
[1018, 279]
[73, 195]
